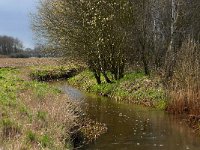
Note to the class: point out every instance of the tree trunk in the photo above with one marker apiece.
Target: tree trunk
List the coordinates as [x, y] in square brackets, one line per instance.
[106, 78]
[121, 70]
[146, 68]
[97, 76]
[144, 60]
[171, 55]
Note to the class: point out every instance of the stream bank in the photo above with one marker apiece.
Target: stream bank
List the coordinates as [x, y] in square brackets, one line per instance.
[33, 115]
[85, 130]
[36, 115]
[133, 88]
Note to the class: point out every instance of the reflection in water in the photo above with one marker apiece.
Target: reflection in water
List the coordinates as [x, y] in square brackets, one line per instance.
[73, 93]
[133, 127]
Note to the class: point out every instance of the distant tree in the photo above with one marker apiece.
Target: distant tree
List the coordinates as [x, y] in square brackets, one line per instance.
[9, 45]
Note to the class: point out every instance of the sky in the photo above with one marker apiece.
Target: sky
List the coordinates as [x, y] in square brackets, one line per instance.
[15, 20]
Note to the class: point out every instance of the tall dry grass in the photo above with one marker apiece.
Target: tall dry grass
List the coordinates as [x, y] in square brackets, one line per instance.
[184, 88]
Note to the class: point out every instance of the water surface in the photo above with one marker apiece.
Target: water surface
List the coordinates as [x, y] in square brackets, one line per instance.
[132, 127]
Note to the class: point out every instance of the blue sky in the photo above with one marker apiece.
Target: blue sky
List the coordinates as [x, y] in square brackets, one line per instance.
[15, 20]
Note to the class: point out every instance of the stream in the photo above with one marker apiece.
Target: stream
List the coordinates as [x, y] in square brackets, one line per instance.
[132, 127]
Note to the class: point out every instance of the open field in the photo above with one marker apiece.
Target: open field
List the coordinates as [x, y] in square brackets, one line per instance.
[20, 62]
[3, 56]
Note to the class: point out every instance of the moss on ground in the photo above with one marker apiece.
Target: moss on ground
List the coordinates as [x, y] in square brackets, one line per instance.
[135, 87]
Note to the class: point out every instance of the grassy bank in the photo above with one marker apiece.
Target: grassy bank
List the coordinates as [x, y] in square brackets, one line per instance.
[33, 115]
[54, 72]
[135, 88]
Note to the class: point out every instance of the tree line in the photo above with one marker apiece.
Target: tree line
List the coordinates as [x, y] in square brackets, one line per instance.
[13, 47]
[9, 45]
[109, 34]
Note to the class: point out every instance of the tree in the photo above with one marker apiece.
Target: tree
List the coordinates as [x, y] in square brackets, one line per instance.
[143, 32]
[182, 25]
[94, 31]
[9, 45]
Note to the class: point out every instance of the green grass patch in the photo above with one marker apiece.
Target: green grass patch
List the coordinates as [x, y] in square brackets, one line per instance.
[43, 140]
[31, 137]
[12, 86]
[42, 115]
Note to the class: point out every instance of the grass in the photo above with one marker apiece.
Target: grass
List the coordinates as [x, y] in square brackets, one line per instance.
[33, 138]
[54, 72]
[184, 86]
[10, 128]
[135, 87]
[33, 115]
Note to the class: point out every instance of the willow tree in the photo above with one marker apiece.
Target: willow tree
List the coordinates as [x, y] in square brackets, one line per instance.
[96, 31]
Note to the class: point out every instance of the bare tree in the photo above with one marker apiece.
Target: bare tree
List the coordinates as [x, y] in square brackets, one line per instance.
[9, 45]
